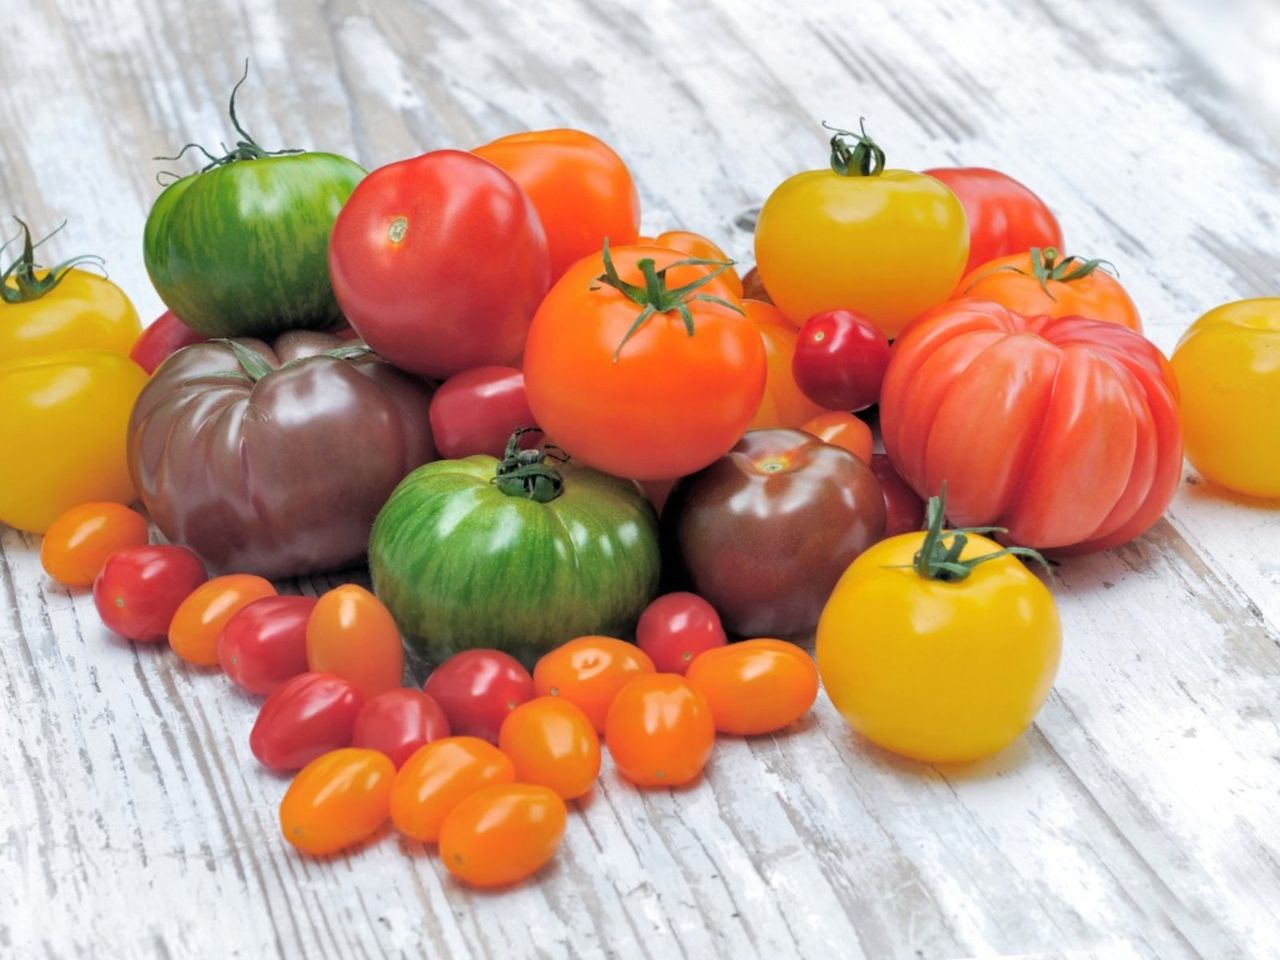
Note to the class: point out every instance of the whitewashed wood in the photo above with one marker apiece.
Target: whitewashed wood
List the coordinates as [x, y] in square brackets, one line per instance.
[1135, 820]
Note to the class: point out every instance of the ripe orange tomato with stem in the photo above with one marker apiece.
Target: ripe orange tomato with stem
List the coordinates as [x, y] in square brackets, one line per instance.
[337, 800]
[660, 731]
[553, 744]
[755, 686]
[77, 544]
[502, 834]
[589, 672]
[200, 618]
[439, 776]
[351, 634]
[704, 248]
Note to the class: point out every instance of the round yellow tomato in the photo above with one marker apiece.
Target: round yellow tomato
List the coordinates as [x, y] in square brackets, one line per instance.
[82, 312]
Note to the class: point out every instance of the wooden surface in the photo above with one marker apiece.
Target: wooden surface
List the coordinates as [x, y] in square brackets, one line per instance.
[1137, 819]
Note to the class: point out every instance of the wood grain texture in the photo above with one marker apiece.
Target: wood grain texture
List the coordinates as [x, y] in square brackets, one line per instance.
[1137, 819]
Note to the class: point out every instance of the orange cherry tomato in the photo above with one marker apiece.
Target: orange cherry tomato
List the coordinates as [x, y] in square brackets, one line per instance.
[844, 430]
[197, 623]
[784, 404]
[337, 800]
[438, 777]
[352, 634]
[589, 672]
[659, 730]
[502, 834]
[704, 248]
[553, 744]
[755, 686]
[77, 544]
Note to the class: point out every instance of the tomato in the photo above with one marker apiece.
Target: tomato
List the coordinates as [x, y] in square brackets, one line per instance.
[265, 643]
[755, 686]
[139, 589]
[840, 360]
[1043, 282]
[784, 404]
[842, 430]
[1004, 216]
[439, 776]
[438, 263]
[677, 627]
[477, 689]
[77, 544]
[352, 634]
[647, 398]
[305, 717]
[476, 411]
[552, 743]
[582, 190]
[938, 645]
[903, 508]
[886, 243]
[659, 731]
[197, 623]
[502, 834]
[589, 672]
[337, 800]
[753, 287]
[696, 245]
[398, 722]
[1064, 431]
[165, 336]
[1228, 369]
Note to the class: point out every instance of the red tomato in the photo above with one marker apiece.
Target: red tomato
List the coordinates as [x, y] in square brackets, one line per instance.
[77, 544]
[1065, 431]
[589, 672]
[840, 360]
[1044, 282]
[438, 262]
[477, 689]
[660, 731]
[306, 717]
[703, 248]
[139, 589]
[439, 776]
[675, 628]
[502, 834]
[352, 634]
[553, 744]
[198, 622]
[903, 508]
[337, 801]
[265, 643]
[755, 686]
[784, 404]
[398, 722]
[476, 411]
[842, 430]
[166, 335]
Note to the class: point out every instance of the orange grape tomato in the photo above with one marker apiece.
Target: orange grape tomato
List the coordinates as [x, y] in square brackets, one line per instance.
[755, 686]
[77, 544]
[197, 623]
[352, 634]
[704, 248]
[553, 744]
[659, 731]
[589, 672]
[784, 404]
[438, 777]
[502, 834]
[842, 429]
[337, 800]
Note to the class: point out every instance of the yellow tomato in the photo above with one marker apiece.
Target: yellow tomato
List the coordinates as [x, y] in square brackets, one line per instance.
[82, 312]
[784, 404]
[1228, 370]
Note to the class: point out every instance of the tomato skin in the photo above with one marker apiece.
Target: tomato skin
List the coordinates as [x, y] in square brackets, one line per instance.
[165, 336]
[784, 404]
[755, 686]
[840, 359]
[702, 248]
[476, 411]
[553, 744]
[336, 801]
[139, 589]
[1009, 281]
[198, 622]
[903, 508]
[265, 643]
[660, 731]
[676, 628]
[589, 672]
[305, 718]
[398, 722]
[439, 776]
[842, 430]
[477, 689]
[77, 544]
[352, 634]
[502, 834]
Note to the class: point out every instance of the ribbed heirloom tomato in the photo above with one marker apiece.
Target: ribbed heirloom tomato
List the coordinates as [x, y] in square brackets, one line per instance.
[589, 672]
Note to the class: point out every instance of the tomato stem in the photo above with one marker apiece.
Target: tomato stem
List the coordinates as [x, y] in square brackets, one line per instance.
[939, 556]
[19, 283]
[526, 473]
[855, 154]
[1049, 264]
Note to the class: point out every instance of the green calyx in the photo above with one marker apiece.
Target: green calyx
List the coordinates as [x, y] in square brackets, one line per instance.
[939, 557]
[1049, 264]
[855, 154]
[526, 473]
[19, 283]
[254, 366]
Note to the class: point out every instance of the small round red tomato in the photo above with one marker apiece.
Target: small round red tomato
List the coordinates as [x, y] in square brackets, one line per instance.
[476, 411]
[139, 589]
[677, 627]
[502, 834]
[477, 689]
[659, 731]
[703, 248]
[307, 716]
[553, 744]
[439, 776]
[589, 672]
[77, 544]
[840, 360]
[198, 622]
[337, 800]
[756, 686]
[784, 404]
[165, 336]
[398, 722]
[842, 430]
[265, 643]
[903, 508]
[352, 634]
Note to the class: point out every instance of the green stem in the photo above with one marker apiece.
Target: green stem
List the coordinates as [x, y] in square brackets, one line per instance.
[526, 473]
[19, 283]
[1048, 264]
[855, 154]
[252, 363]
[939, 556]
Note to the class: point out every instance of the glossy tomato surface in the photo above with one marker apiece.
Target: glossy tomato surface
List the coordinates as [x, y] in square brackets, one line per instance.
[840, 359]
[199, 620]
[755, 686]
[903, 508]
[476, 411]
[477, 689]
[166, 335]
[842, 430]
[676, 628]
[77, 544]
[337, 801]
[139, 589]
[502, 834]
[1045, 282]
[265, 643]
[552, 743]
[439, 776]
[659, 731]
[589, 672]
[784, 404]
[1004, 216]
[304, 718]
[352, 634]
[398, 722]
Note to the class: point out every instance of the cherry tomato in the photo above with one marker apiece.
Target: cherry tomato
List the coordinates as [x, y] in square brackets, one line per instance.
[659, 731]
[265, 643]
[553, 744]
[77, 544]
[784, 404]
[197, 623]
[842, 430]
[589, 672]
[306, 717]
[903, 508]
[502, 834]
[756, 686]
[352, 634]
[439, 776]
[675, 628]
[398, 722]
[840, 360]
[139, 589]
[703, 248]
[337, 800]
[165, 336]
[477, 689]
[476, 411]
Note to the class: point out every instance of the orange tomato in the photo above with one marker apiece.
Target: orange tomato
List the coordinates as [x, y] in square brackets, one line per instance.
[589, 672]
[844, 430]
[438, 777]
[704, 248]
[659, 730]
[502, 834]
[352, 634]
[197, 623]
[784, 404]
[553, 744]
[755, 686]
[337, 800]
[77, 544]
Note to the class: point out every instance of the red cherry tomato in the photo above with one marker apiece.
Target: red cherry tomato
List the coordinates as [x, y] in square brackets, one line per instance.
[398, 722]
[659, 731]
[904, 510]
[139, 589]
[476, 411]
[840, 360]
[337, 800]
[677, 627]
[166, 335]
[265, 643]
[305, 718]
[78, 543]
[477, 689]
